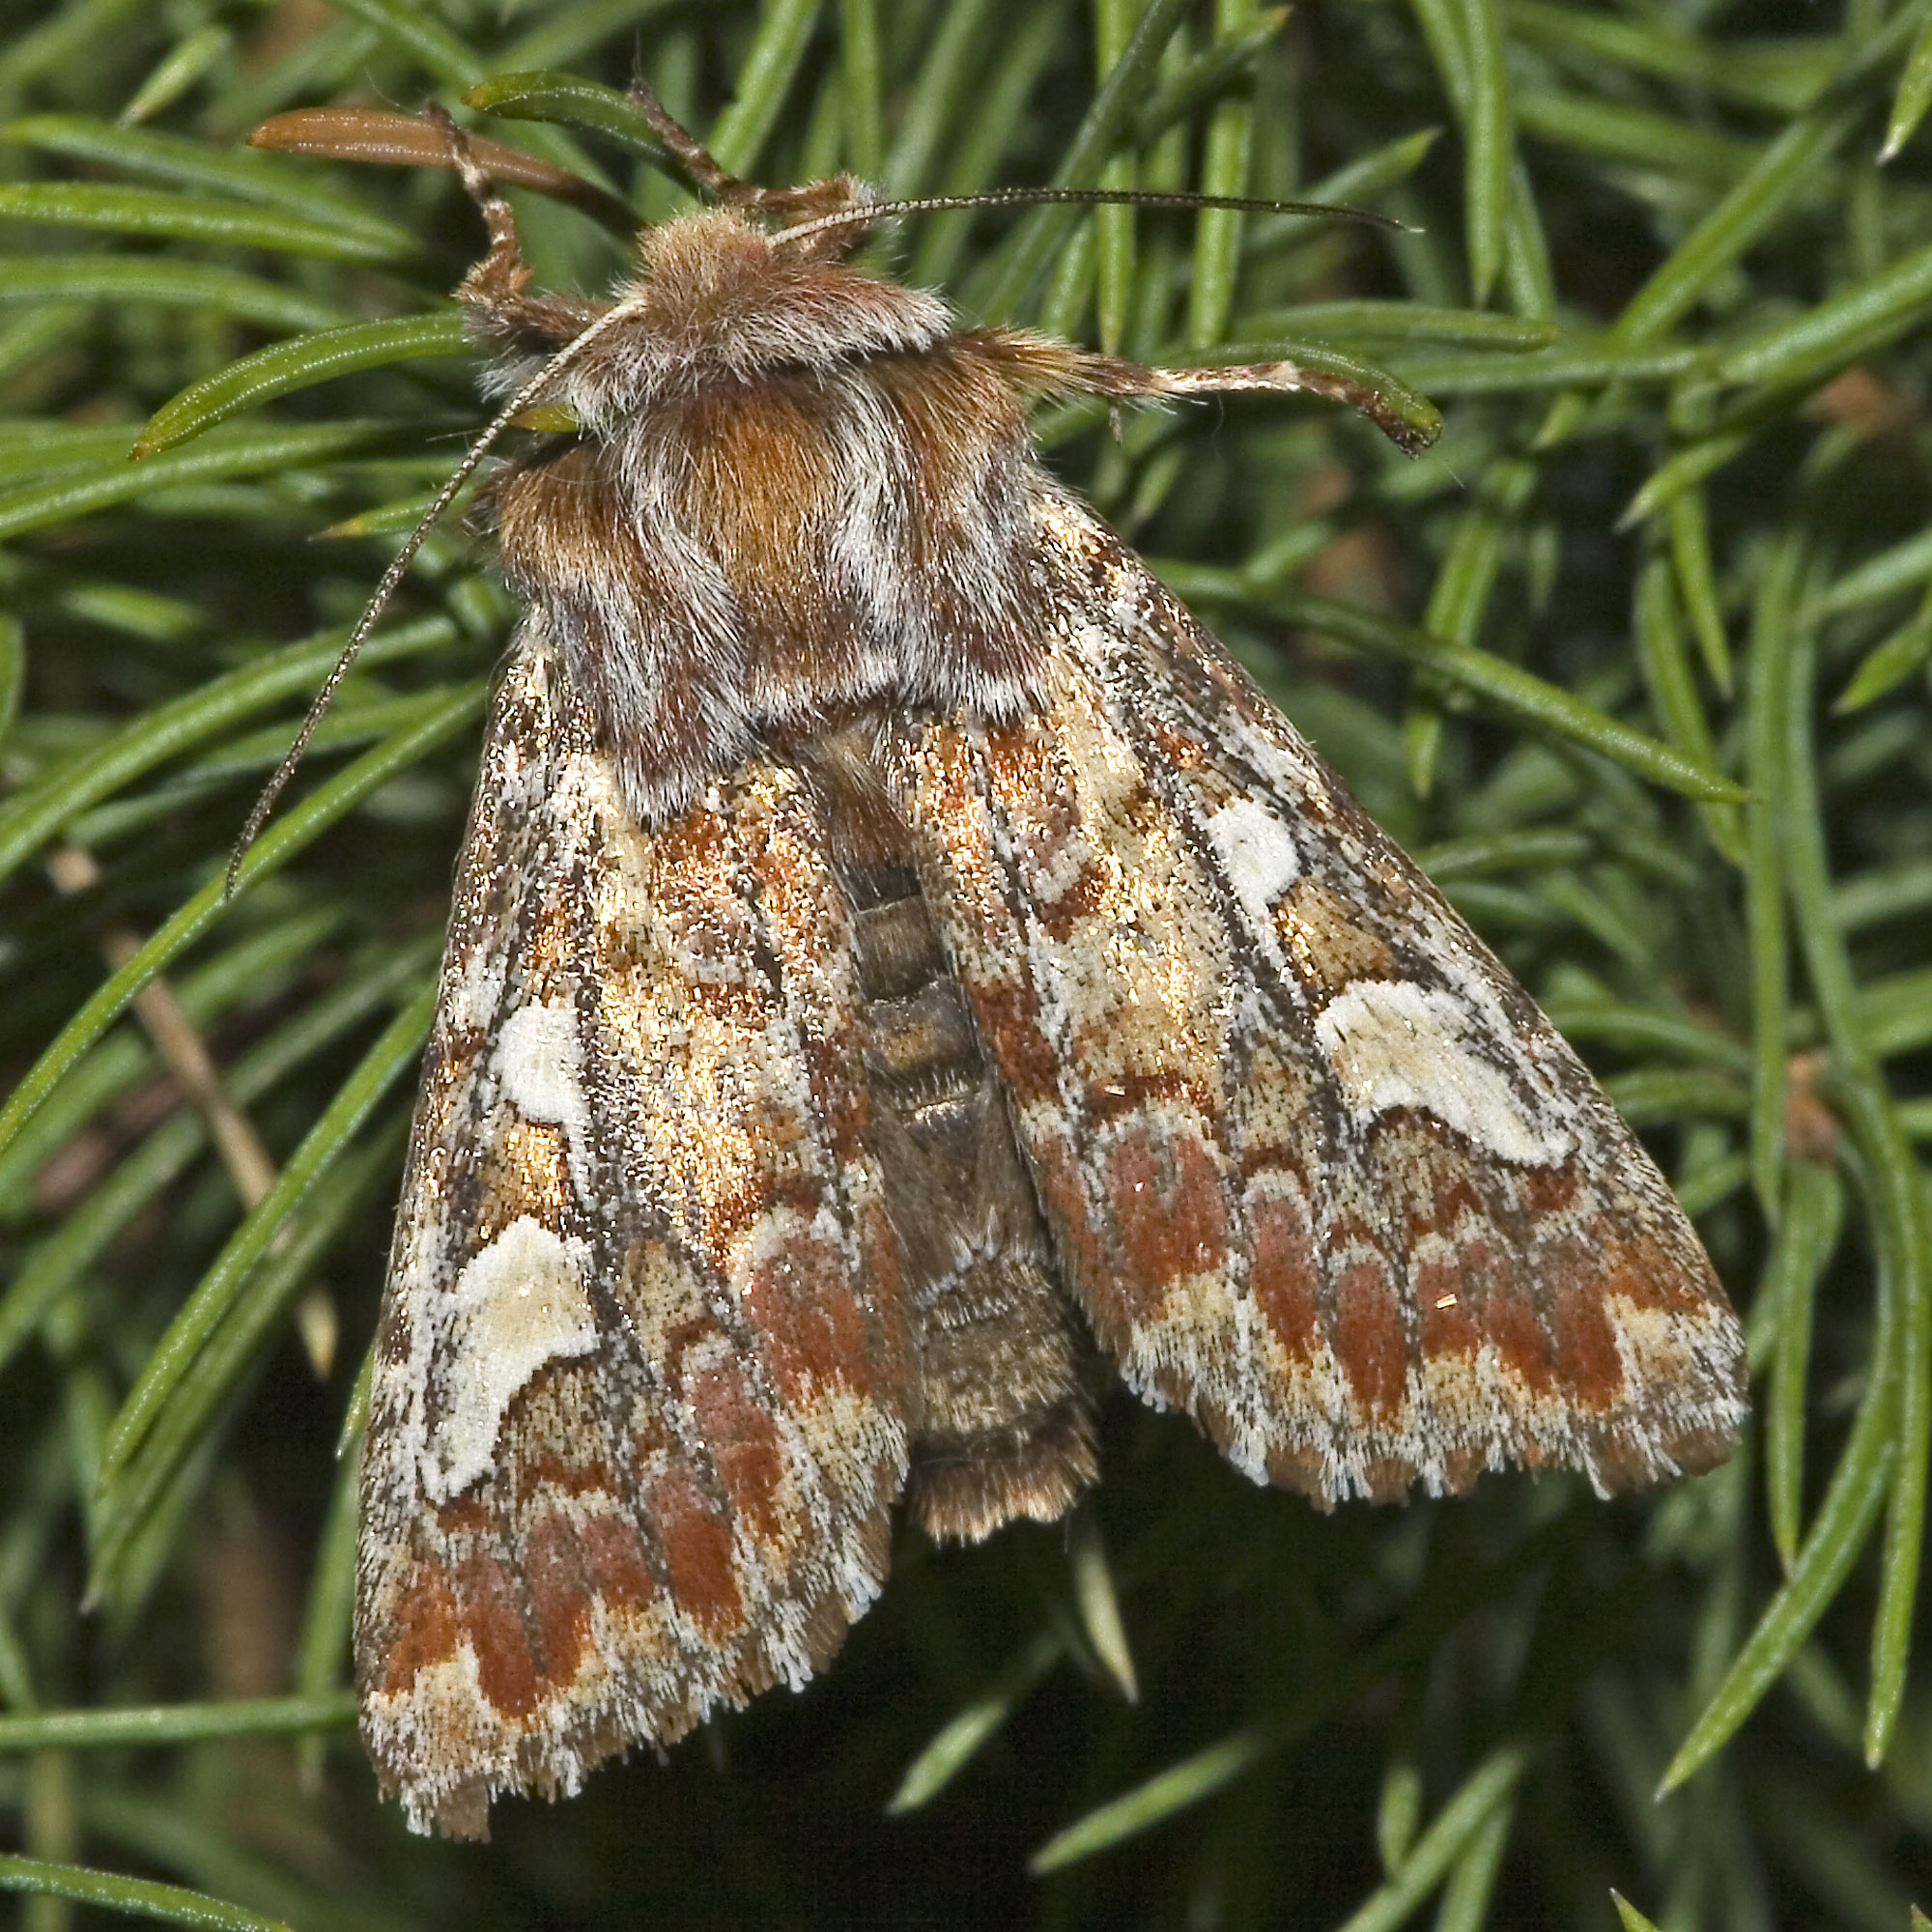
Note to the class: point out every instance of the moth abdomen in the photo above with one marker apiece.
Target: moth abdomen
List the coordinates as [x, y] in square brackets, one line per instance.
[1000, 1424]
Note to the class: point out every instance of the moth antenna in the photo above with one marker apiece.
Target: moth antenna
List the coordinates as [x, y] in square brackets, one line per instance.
[385, 588]
[865, 214]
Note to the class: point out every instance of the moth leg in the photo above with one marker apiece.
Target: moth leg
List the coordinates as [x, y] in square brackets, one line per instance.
[503, 274]
[1411, 430]
[794, 204]
[497, 287]
[1411, 434]
[691, 153]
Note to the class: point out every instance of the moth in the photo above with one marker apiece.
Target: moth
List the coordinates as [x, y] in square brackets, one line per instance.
[898, 960]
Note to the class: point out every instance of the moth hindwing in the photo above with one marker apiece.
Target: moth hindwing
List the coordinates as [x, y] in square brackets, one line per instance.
[897, 957]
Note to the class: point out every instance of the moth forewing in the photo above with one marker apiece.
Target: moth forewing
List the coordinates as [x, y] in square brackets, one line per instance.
[1317, 1169]
[639, 1409]
[894, 951]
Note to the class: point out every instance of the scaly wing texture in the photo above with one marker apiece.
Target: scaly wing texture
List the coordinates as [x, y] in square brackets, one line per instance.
[1318, 1169]
[636, 1423]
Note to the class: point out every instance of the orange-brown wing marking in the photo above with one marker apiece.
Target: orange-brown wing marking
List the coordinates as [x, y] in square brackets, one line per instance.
[1319, 1170]
[636, 1423]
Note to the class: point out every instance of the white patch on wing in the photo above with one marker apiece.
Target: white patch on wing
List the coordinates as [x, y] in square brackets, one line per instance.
[474, 997]
[1256, 853]
[1396, 1045]
[1292, 769]
[518, 1304]
[539, 1057]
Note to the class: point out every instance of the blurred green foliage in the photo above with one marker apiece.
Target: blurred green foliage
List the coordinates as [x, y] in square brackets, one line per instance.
[1667, 276]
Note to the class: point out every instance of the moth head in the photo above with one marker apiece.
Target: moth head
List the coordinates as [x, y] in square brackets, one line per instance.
[753, 284]
[724, 297]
